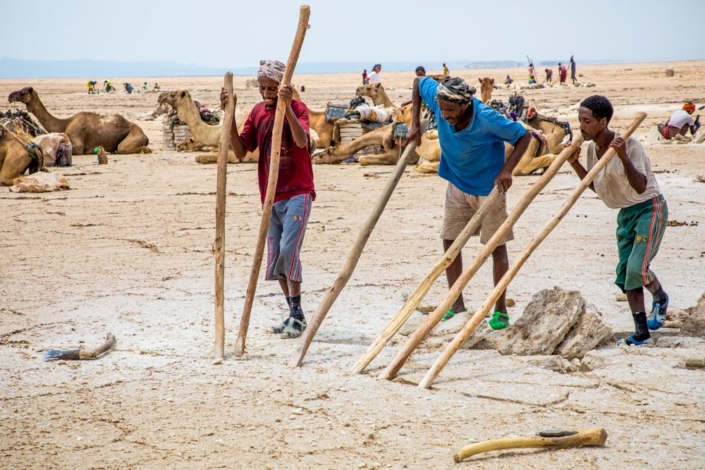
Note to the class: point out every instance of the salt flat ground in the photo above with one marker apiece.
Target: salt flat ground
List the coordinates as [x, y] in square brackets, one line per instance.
[128, 250]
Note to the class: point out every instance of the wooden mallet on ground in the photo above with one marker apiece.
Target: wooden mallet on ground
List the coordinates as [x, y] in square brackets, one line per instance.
[595, 437]
[219, 243]
[304, 13]
[80, 354]
[484, 309]
[354, 256]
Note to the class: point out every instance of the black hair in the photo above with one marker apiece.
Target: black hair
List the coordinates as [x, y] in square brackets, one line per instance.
[599, 105]
[420, 67]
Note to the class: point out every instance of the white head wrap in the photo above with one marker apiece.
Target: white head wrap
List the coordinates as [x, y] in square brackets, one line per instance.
[271, 69]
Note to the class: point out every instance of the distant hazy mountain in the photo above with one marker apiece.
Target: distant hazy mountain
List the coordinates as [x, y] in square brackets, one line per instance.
[15, 68]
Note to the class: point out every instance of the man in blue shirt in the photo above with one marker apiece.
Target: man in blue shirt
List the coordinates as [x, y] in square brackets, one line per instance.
[472, 138]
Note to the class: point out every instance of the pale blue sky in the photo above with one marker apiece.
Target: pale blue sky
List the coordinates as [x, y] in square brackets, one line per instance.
[238, 33]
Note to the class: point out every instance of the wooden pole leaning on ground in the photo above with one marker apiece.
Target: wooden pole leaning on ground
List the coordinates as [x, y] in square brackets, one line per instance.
[475, 320]
[595, 437]
[219, 243]
[354, 256]
[437, 315]
[304, 13]
[422, 289]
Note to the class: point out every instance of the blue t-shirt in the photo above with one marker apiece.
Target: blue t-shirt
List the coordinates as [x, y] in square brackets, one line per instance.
[472, 158]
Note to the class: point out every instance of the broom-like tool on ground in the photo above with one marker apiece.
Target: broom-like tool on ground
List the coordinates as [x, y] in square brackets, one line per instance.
[80, 354]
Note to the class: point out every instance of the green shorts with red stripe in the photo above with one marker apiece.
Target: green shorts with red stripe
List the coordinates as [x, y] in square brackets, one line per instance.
[640, 230]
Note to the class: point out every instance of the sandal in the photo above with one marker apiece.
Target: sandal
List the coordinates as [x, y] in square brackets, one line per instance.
[499, 320]
[450, 314]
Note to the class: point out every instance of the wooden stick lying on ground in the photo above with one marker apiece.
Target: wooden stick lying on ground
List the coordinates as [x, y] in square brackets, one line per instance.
[219, 243]
[432, 320]
[418, 295]
[80, 354]
[475, 320]
[595, 437]
[304, 13]
[354, 256]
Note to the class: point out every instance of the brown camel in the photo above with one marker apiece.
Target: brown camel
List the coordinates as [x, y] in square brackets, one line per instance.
[87, 130]
[208, 135]
[382, 136]
[14, 158]
[486, 87]
[376, 92]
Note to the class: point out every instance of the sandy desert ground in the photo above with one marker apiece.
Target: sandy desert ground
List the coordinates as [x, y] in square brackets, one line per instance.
[128, 250]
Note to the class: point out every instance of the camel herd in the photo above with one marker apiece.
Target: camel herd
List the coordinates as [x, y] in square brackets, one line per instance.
[87, 131]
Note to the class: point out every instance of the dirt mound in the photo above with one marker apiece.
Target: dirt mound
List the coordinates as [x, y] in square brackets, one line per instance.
[694, 324]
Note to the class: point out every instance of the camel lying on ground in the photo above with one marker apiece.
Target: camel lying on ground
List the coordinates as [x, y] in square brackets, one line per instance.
[384, 137]
[207, 135]
[14, 158]
[87, 130]
[539, 154]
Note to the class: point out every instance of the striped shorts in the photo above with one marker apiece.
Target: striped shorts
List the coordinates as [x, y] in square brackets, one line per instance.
[287, 227]
[640, 230]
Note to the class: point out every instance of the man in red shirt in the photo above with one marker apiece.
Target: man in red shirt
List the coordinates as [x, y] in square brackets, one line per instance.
[295, 190]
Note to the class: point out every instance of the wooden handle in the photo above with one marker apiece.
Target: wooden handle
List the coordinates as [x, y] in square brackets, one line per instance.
[477, 318]
[109, 343]
[354, 256]
[220, 199]
[595, 437]
[304, 14]
[434, 318]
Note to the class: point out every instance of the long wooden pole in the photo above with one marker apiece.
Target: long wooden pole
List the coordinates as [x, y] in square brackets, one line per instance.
[219, 243]
[432, 320]
[354, 256]
[304, 13]
[422, 289]
[475, 320]
[595, 437]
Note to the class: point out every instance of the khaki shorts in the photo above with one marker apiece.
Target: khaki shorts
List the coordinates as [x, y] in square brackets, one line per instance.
[460, 208]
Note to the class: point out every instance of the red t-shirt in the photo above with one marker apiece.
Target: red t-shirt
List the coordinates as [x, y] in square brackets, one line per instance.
[295, 169]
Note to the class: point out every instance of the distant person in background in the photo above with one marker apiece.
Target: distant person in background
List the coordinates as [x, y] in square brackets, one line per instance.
[374, 77]
[156, 87]
[532, 76]
[680, 122]
[145, 87]
[508, 80]
[91, 86]
[129, 88]
[108, 86]
[562, 73]
[549, 75]
[445, 69]
[364, 77]
[572, 69]
[420, 71]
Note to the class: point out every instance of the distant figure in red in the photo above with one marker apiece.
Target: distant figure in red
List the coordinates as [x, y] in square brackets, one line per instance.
[364, 77]
[549, 75]
[562, 73]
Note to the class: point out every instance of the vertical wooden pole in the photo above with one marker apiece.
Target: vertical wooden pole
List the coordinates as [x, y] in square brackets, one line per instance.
[354, 256]
[219, 243]
[304, 13]
[475, 320]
